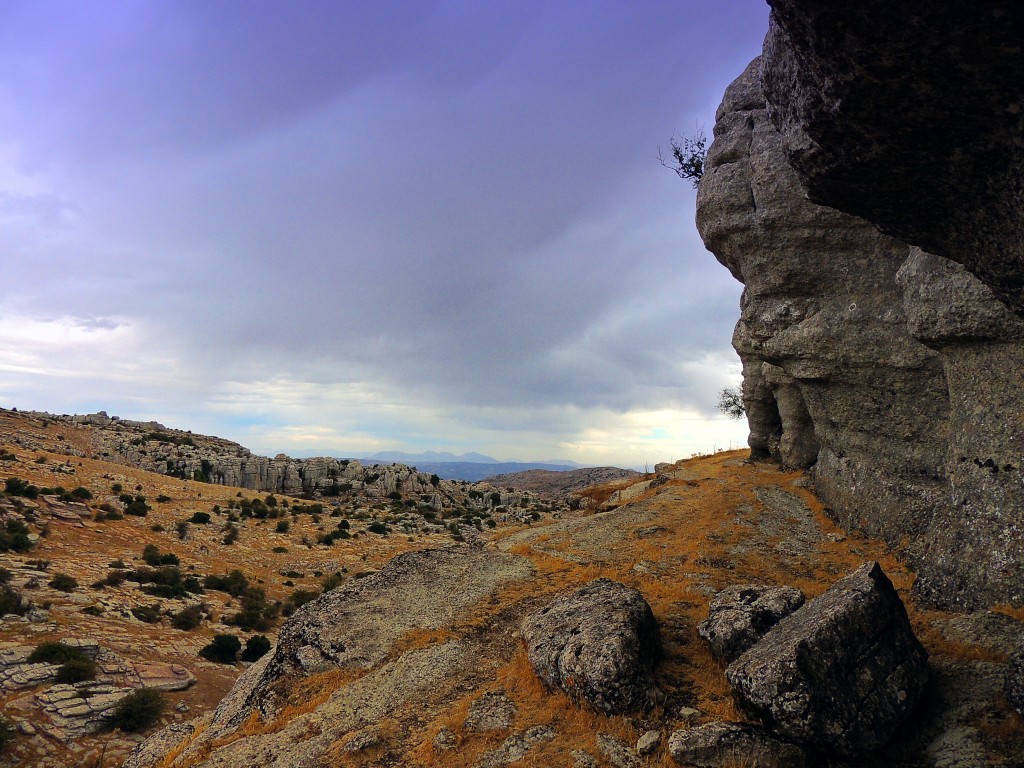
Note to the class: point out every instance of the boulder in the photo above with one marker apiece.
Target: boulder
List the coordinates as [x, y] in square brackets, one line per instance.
[741, 614]
[717, 744]
[841, 673]
[1014, 687]
[493, 711]
[597, 644]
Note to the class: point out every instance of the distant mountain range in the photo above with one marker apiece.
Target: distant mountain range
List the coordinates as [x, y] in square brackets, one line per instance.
[446, 457]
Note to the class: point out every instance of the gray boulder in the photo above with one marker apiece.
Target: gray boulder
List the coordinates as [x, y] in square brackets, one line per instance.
[740, 615]
[840, 674]
[597, 644]
[1014, 687]
[717, 744]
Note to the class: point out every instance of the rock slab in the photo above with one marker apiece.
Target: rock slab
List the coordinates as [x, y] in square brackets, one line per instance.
[717, 744]
[841, 673]
[597, 644]
[740, 615]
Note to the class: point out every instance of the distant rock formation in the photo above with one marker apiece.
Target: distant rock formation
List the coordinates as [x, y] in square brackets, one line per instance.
[895, 373]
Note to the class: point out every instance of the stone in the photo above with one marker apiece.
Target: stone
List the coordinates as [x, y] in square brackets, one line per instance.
[648, 742]
[740, 615]
[445, 740]
[1013, 689]
[598, 644]
[842, 673]
[893, 371]
[617, 753]
[492, 711]
[516, 747]
[717, 744]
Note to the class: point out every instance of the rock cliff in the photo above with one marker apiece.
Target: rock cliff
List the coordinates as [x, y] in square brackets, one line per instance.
[894, 372]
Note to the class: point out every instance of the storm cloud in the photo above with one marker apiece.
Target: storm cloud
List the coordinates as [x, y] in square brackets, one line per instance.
[354, 226]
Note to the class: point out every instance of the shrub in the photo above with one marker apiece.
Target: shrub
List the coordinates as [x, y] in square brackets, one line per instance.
[15, 486]
[150, 614]
[231, 534]
[187, 618]
[279, 550]
[14, 536]
[115, 578]
[283, 526]
[151, 554]
[255, 647]
[200, 518]
[6, 734]
[116, 488]
[224, 649]
[182, 529]
[377, 527]
[82, 493]
[332, 581]
[64, 582]
[234, 583]
[56, 653]
[137, 508]
[76, 670]
[11, 602]
[119, 563]
[162, 499]
[137, 711]
[688, 157]
[5, 575]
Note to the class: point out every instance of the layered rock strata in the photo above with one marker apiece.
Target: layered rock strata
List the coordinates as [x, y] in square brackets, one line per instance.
[893, 372]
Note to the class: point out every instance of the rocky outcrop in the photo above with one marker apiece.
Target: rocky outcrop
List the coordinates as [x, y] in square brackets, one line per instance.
[910, 115]
[598, 644]
[842, 673]
[740, 615]
[893, 372]
[717, 744]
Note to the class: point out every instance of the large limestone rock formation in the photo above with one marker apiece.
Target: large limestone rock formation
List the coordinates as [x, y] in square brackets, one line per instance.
[910, 115]
[893, 372]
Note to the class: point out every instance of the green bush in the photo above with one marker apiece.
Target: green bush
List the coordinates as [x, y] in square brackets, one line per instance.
[14, 536]
[64, 582]
[283, 526]
[162, 499]
[200, 518]
[137, 508]
[150, 614]
[187, 618]
[76, 670]
[11, 602]
[234, 583]
[137, 711]
[332, 581]
[224, 649]
[255, 648]
[6, 734]
[151, 554]
[377, 527]
[56, 653]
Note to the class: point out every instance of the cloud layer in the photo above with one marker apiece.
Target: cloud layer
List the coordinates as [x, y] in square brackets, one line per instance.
[358, 226]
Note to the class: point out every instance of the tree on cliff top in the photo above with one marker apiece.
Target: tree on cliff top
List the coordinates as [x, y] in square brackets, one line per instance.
[688, 156]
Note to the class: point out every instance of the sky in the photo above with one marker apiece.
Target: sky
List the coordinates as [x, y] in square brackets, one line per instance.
[344, 227]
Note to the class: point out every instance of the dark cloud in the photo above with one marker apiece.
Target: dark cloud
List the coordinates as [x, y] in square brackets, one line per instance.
[457, 204]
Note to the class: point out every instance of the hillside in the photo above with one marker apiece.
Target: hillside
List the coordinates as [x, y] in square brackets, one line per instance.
[445, 679]
[90, 519]
[560, 483]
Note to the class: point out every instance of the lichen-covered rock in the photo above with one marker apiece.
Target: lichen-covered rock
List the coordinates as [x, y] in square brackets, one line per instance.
[598, 644]
[740, 615]
[1014, 687]
[842, 673]
[895, 373]
[492, 711]
[717, 744]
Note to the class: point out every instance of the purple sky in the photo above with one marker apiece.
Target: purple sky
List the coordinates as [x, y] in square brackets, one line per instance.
[355, 226]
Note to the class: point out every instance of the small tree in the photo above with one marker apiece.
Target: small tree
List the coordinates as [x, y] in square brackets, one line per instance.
[255, 647]
[137, 711]
[224, 649]
[730, 402]
[689, 155]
